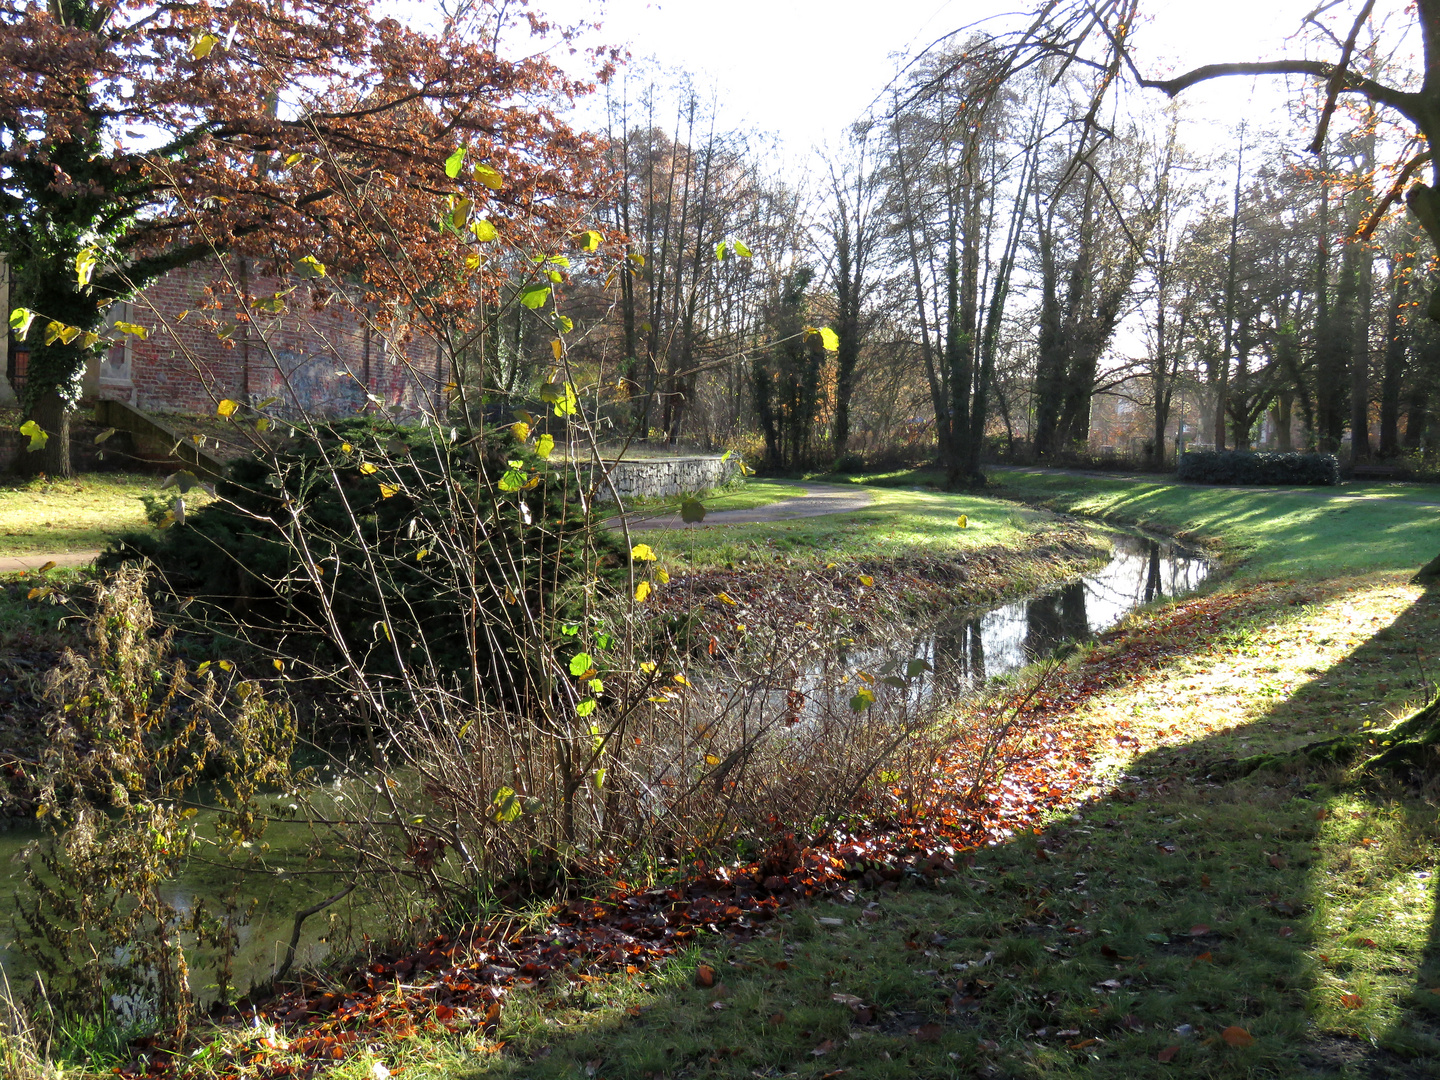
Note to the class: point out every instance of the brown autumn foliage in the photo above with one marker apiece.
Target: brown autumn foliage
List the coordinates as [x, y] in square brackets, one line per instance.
[155, 136]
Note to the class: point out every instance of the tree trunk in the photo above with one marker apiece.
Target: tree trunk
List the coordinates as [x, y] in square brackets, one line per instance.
[53, 459]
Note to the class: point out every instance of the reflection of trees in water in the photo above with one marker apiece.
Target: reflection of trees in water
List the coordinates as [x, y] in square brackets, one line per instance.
[1152, 578]
[960, 648]
[1057, 617]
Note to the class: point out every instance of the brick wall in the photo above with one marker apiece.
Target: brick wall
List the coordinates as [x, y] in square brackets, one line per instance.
[317, 355]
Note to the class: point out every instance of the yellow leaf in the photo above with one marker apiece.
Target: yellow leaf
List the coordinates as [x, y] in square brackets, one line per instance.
[711, 759]
[292, 159]
[682, 680]
[648, 667]
[484, 231]
[133, 329]
[200, 46]
[963, 521]
[347, 448]
[557, 348]
[279, 664]
[662, 575]
[521, 431]
[489, 177]
[545, 446]
[509, 597]
[368, 468]
[48, 566]
[226, 665]
[387, 490]
[226, 407]
[724, 599]
[41, 810]
[472, 261]
[866, 580]
[642, 591]
[642, 553]
[421, 554]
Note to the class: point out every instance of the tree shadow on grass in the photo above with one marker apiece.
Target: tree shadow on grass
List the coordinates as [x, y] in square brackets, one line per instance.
[1178, 924]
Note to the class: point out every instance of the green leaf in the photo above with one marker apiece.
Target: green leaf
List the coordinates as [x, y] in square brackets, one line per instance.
[916, 667]
[590, 240]
[37, 435]
[184, 480]
[599, 779]
[558, 260]
[586, 707]
[741, 250]
[580, 663]
[544, 447]
[569, 404]
[20, 320]
[726, 455]
[895, 681]
[565, 324]
[133, 329]
[505, 807]
[722, 249]
[692, 511]
[862, 700]
[104, 435]
[454, 162]
[533, 296]
[513, 479]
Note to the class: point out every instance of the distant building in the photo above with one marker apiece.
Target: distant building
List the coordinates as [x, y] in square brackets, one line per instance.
[315, 353]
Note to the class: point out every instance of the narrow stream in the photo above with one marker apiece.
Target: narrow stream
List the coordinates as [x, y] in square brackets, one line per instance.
[1141, 570]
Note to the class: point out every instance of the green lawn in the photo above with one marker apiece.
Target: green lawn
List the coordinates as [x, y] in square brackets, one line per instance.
[897, 524]
[48, 515]
[1289, 532]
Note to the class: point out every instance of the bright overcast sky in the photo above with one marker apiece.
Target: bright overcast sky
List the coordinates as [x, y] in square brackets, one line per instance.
[804, 69]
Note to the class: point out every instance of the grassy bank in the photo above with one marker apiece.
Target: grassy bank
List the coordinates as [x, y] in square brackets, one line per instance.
[1316, 532]
[1173, 922]
[742, 495]
[897, 525]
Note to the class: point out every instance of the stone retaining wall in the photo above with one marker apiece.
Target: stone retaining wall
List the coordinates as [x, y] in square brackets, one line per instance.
[662, 477]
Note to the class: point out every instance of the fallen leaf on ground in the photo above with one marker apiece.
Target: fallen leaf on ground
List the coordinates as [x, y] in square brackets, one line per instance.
[1237, 1036]
[929, 1033]
[1168, 1054]
[1351, 1001]
[704, 976]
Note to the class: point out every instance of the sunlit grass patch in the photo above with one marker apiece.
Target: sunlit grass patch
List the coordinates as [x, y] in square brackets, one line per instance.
[747, 495]
[897, 525]
[51, 515]
[1285, 532]
[1375, 922]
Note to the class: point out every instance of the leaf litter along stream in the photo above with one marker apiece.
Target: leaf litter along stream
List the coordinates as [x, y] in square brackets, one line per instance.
[459, 983]
[456, 985]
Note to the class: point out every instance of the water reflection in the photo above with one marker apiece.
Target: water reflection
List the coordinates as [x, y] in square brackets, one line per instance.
[1143, 569]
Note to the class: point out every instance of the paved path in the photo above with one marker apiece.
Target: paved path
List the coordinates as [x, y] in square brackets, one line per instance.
[14, 564]
[818, 500]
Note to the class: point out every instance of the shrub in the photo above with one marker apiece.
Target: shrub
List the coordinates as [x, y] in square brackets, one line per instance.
[848, 464]
[383, 548]
[1245, 467]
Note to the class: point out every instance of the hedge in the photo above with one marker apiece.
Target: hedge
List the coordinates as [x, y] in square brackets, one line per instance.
[1246, 467]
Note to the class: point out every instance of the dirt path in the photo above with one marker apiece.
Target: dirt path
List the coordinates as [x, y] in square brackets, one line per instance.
[818, 501]
[15, 564]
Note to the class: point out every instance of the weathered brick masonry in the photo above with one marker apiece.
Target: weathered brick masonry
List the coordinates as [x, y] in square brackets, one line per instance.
[317, 355]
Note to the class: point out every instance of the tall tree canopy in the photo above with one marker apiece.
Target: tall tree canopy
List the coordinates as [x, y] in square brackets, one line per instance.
[137, 137]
